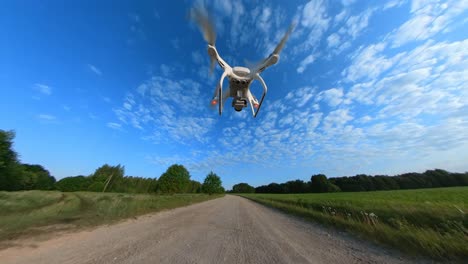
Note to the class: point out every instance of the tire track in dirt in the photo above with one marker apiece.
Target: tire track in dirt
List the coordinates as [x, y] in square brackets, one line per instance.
[231, 229]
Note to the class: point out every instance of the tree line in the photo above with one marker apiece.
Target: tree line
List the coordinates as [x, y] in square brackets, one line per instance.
[361, 182]
[16, 176]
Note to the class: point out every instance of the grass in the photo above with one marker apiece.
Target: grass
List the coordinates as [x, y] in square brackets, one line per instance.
[428, 222]
[31, 212]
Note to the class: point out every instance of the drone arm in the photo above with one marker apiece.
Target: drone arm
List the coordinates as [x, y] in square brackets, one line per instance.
[271, 60]
[265, 89]
[215, 56]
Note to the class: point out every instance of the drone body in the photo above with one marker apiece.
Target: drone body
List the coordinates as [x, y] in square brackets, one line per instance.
[240, 78]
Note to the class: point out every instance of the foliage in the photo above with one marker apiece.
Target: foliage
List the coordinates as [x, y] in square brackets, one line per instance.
[16, 176]
[212, 184]
[8, 156]
[296, 186]
[361, 182]
[73, 184]
[243, 188]
[428, 179]
[320, 183]
[176, 179]
[106, 176]
[431, 222]
[8, 162]
[132, 184]
[38, 178]
[195, 187]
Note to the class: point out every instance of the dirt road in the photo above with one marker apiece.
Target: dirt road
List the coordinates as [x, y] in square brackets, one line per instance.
[226, 230]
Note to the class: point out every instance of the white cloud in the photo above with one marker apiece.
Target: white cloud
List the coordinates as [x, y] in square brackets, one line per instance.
[369, 62]
[428, 18]
[414, 29]
[46, 117]
[301, 96]
[333, 40]
[44, 89]
[347, 2]
[305, 63]
[169, 110]
[315, 22]
[341, 16]
[175, 43]
[352, 28]
[336, 120]
[264, 22]
[93, 116]
[95, 69]
[116, 126]
[332, 96]
[314, 15]
[166, 70]
[393, 3]
[224, 6]
[197, 58]
[356, 24]
[364, 119]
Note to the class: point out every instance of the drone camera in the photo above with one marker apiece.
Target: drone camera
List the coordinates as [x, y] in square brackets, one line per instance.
[238, 104]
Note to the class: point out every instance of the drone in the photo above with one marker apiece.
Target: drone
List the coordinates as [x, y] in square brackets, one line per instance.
[240, 78]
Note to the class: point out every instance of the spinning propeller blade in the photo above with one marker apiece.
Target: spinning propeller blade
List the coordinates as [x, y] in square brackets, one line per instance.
[206, 25]
[283, 40]
[276, 51]
[200, 16]
[212, 64]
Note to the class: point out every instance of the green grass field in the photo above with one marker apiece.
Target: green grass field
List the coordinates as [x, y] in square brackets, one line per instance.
[429, 222]
[29, 212]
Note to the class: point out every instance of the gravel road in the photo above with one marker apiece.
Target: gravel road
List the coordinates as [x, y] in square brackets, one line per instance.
[225, 230]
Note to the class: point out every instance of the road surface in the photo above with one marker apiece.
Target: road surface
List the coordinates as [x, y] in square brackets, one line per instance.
[225, 230]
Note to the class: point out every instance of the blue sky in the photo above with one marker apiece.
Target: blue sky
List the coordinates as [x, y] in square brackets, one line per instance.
[361, 87]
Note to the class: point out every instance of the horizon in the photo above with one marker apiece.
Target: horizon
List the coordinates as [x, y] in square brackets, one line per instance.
[360, 88]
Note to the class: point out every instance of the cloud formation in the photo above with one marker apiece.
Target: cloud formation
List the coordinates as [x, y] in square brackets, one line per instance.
[388, 110]
[44, 89]
[95, 69]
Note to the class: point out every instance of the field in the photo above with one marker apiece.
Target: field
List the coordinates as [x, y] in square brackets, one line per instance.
[429, 222]
[32, 212]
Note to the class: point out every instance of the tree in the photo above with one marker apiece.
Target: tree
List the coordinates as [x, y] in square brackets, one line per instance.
[40, 178]
[106, 176]
[73, 184]
[321, 184]
[8, 162]
[297, 186]
[176, 179]
[195, 187]
[8, 156]
[243, 188]
[270, 188]
[212, 184]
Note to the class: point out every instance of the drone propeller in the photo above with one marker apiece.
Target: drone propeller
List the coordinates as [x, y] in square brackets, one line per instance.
[200, 17]
[283, 40]
[276, 51]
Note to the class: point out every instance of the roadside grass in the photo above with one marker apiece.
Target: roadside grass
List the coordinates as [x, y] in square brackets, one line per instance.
[426, 222]
[31, 212]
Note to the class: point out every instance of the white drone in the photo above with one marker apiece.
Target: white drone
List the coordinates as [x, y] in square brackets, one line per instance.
[240, 78]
